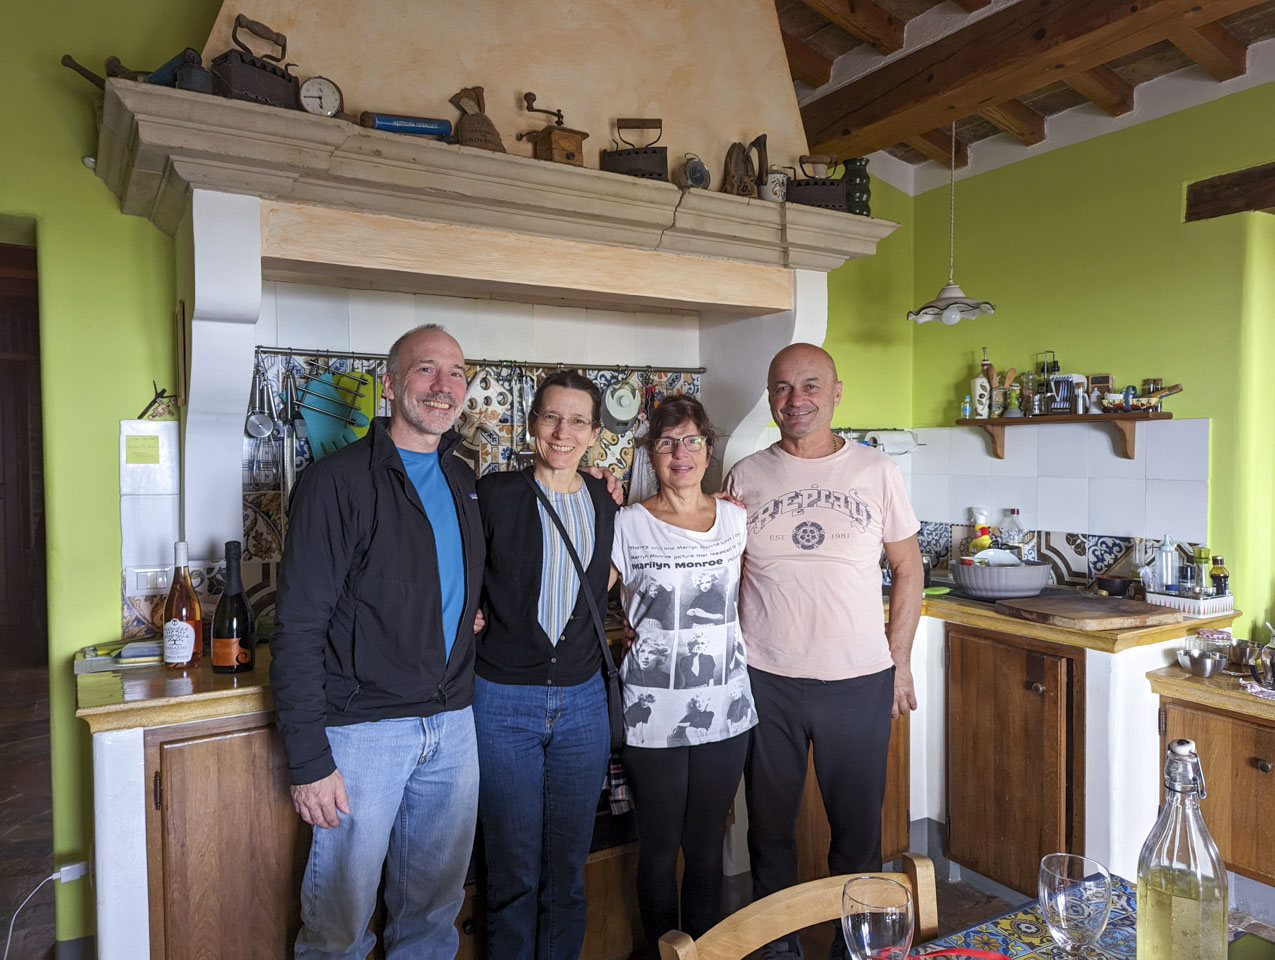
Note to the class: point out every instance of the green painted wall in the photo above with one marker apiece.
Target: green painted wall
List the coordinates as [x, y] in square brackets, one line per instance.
[106, 301]
[866, 300]
[1083, 251]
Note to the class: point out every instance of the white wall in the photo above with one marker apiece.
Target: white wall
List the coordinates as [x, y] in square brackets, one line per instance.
[368, 321]
[1069, 477]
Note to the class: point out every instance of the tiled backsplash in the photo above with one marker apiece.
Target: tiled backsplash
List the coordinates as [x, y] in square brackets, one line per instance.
[1069, 476]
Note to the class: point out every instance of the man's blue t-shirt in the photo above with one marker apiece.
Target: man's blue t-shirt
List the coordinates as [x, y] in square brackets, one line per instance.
[426, 474]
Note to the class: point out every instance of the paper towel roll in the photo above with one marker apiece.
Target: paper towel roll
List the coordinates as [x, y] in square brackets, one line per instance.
[893, 442]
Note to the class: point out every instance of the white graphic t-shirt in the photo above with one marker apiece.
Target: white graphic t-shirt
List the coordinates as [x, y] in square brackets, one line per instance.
[684, 678]
[810, 597]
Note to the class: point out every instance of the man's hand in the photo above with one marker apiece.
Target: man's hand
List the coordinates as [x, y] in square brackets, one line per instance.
[723, 495]
[480, 622]
[318, 802]
[904, 692]
[614, 486]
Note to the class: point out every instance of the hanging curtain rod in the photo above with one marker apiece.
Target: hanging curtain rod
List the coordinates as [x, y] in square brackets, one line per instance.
[380, 358]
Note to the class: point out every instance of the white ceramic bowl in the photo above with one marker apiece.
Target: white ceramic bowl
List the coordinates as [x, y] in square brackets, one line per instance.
[1002, 583]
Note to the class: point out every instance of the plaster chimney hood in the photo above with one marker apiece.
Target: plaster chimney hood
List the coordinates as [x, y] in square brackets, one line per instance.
[252, 193]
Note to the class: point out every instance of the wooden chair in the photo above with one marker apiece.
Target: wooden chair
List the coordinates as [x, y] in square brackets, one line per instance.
[788, 910]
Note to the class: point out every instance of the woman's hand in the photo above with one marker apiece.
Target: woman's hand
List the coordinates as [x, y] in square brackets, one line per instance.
[614, 486]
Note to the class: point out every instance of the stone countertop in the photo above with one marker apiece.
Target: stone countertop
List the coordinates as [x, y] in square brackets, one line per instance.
[1221, 692]
[153, 696]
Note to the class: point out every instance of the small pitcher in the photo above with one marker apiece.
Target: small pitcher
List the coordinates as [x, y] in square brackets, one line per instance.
[1262, 667]
[775, 187]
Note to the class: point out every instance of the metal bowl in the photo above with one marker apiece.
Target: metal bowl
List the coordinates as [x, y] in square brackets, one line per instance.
[1243, 652]
[1002, 583]
[1201, 663]
[1115, 586]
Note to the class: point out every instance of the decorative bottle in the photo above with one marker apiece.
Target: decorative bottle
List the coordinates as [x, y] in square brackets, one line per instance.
[233, 646]
[1182, 901]
[183, 621]
[1220, 577]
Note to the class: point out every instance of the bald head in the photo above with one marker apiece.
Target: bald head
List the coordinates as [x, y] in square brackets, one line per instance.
[804, 391]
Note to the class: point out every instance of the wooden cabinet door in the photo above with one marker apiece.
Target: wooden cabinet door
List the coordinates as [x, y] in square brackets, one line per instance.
[1238, 759]
[813, 833]
[228, 847]
[1006, 757]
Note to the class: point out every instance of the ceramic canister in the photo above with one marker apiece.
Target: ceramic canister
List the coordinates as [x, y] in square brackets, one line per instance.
[775, 187]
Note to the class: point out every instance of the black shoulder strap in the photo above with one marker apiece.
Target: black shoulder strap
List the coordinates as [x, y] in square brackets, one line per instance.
[607, 660]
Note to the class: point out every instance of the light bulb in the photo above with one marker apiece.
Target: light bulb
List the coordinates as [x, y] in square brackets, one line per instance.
[952, 314]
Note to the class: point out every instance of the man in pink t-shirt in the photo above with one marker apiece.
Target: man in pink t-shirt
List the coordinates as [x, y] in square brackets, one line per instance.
[825, 668]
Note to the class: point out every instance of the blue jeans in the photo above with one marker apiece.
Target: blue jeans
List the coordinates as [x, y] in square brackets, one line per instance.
[413, 791]
[543, 752]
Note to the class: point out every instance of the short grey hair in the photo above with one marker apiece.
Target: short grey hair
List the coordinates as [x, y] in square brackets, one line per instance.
[391, 360]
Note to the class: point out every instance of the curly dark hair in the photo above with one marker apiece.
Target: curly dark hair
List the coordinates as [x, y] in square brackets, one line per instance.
[677, 410]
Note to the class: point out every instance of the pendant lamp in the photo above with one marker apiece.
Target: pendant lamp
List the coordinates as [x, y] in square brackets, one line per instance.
[951, 305]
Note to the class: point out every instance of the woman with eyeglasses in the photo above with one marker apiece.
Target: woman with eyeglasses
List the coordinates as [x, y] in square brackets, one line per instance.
[540, 708]
[685, 759]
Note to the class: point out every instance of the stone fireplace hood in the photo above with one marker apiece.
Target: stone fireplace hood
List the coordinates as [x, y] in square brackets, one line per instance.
[253, 193]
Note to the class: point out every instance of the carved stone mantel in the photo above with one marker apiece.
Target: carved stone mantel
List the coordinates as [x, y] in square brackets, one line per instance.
[156, 144]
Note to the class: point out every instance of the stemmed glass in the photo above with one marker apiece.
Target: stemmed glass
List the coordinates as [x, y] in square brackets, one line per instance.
[1075, 899]
[876, 918]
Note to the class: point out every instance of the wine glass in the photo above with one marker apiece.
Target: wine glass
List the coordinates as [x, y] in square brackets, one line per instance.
[1075, 899]
[876, 918]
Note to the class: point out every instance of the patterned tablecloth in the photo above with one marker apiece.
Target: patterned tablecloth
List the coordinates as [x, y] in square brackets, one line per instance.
[1022, 932]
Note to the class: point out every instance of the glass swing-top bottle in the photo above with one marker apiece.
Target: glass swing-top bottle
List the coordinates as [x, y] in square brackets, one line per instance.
[1182, 903]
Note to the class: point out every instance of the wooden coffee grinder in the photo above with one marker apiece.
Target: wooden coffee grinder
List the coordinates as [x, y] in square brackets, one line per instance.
[554, 142]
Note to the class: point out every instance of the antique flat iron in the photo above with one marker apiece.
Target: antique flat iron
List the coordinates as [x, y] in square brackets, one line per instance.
[554, 142]
[816, 188]
[741, 173]
[649, 162]
[241, 75]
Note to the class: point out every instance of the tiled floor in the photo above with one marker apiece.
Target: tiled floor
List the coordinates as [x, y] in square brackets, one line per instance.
[26, 816]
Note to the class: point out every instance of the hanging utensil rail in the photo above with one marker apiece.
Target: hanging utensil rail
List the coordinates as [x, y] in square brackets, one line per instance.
[379, 358]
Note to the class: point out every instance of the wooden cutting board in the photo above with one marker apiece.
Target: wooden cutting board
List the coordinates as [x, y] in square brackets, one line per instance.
[1086, 612]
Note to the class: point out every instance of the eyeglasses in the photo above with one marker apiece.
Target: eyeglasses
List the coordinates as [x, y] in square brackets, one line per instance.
[669, 444]
[551, 420]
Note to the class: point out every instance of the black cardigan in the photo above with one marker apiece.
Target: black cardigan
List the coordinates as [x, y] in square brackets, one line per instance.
[514, 648]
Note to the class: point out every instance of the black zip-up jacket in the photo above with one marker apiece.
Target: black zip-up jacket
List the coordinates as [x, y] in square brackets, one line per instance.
[513, 648]
[358, 614]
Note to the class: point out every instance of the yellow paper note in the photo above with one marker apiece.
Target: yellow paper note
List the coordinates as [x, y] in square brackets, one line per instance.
[141, 449]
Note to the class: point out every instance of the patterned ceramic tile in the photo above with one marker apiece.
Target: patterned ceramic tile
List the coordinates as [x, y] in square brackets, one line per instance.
[1110, 556]
[984, 937]
[141, 617]
[1119, 941]
[259, 584]
[262, 525]
[1025, 926]
[1029, 542]
[936, 541]
[959, 541]
[1067, 553]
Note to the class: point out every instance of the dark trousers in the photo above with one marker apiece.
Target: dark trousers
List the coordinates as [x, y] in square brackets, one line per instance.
[682, 797]
[848, 721]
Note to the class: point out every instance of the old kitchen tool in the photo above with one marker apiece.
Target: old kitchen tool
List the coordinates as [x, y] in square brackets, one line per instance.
[258, 423]
[475, 128]
[242, 75]
[649, 162]
[742, 173]
[621, 405]
[816, 189]
[70, 62]
[1084, 611]
[523, 453]
[288, 471]
[554, 142]
[693, 174]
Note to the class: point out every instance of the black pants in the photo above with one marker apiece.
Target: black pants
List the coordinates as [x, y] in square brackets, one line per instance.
[681, 797]
[848, 721]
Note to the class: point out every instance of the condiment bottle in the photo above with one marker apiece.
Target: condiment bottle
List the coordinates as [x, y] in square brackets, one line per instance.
[1220, 577]
[1181, 878]
[1166, 565]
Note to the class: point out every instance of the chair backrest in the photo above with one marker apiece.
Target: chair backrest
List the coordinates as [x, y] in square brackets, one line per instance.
[801, 906]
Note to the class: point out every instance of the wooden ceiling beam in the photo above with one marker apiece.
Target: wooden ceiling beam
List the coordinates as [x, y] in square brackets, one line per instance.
[1103, 87]
[1006, 54]
[1238, 192]
[870, 23]
[937, 145]
[1017, 119]
[1214, 48]
[806, 63]
[971, 5]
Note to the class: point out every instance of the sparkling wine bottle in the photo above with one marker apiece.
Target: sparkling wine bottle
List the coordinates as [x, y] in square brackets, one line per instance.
[183, 626]
[234, 648]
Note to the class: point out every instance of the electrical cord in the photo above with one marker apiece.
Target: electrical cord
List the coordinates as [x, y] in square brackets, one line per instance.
[52, 876]
[72, 871]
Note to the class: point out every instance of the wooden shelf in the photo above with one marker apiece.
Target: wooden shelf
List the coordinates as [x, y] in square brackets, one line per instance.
[1123, 422]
